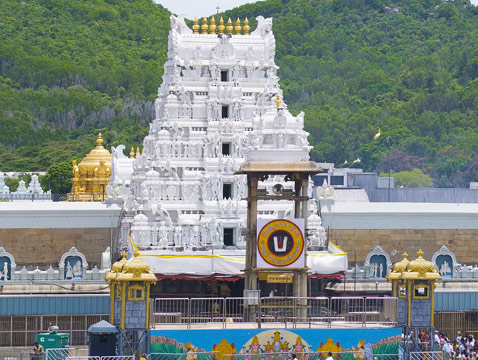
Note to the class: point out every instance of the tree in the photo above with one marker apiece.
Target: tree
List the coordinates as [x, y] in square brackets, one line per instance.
[399, 161]
[469, 174]
[58, 178]
[411, 179]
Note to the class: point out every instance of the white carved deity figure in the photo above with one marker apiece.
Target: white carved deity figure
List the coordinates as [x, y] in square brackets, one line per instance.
[445, 268]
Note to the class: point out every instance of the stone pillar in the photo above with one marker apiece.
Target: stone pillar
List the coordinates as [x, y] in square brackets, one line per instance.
[251, 245]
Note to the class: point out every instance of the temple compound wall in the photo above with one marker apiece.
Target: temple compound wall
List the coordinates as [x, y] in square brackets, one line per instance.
[397, 227]
[359, 242]
[38, 233]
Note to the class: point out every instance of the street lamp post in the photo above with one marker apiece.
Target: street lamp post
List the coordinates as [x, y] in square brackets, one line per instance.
[389, 142]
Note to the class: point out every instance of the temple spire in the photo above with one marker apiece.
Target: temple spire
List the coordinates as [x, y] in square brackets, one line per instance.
[229, 26]
[212, 27]
[204, 26]
[221, 26]
[196, 26]
[238, 27]
[246, 26]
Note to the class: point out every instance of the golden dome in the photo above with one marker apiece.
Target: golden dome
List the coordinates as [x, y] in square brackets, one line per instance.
[420, 265]
[92, 160]
[130, 270]
[118, 266]
[401, 266]
[136, 266]
[92, 175]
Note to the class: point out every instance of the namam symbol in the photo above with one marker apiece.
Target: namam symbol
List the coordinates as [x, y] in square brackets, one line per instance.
[280, 245]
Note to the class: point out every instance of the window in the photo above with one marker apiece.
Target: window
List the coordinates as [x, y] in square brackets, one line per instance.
[118, 291]
[336, 180]
[224, 75]
[420, 292]
[402, 290]
[226, 149]
[319, 180]
[227, 191]
[225, 111]
[136, 293]
[229, 236]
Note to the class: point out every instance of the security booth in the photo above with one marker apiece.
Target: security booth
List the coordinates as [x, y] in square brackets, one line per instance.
[103, 339]
[413, 284]
[130, 283]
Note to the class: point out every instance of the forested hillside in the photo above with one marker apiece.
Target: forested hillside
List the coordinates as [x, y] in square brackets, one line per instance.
[409, 67]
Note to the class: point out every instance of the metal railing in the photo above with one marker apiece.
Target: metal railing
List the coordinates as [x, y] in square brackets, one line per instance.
[308, 311]
[14, 354]
[450, 322]
[22, 330]
[86, 357]
[213, 355]
[59, 353]
[427, 355]
[347, 355]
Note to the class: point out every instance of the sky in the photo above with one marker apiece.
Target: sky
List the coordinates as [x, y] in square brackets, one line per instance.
[200, 8]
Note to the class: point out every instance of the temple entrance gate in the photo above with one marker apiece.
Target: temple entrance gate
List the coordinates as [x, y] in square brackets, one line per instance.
[276, 249]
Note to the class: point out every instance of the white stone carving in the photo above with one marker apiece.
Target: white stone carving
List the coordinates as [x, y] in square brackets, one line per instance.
[451, 269]
[106, 259]
[5, 275]
[71, 270]
[325, 192]
[377, 270]
[182, 193]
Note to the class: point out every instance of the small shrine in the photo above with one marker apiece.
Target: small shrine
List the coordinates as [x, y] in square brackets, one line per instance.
[92, 175]
[377, 264]
[413, 283]
[130, 282]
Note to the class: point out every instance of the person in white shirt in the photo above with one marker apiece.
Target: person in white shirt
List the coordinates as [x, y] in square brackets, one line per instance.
[329, 356]
[448, 348]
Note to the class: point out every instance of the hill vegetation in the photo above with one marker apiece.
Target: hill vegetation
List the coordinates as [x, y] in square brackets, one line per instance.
[69, 68]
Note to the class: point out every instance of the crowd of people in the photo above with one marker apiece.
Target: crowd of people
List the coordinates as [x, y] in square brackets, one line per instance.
[462, 347]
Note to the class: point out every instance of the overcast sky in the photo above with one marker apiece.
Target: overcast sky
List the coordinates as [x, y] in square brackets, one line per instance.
[200, 8]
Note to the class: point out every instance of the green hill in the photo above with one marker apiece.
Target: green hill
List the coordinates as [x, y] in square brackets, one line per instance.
[409, 67]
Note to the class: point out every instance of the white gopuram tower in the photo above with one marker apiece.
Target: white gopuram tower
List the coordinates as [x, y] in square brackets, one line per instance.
[219, 104]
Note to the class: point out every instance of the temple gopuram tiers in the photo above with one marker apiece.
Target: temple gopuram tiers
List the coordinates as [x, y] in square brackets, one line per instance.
[219, 105]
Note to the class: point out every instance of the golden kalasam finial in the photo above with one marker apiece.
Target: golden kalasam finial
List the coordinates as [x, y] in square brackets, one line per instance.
[246, 27]
[420, 253]
[137, 151]
[204, 26]
[124, 254]
[229, 27]
[99, 140]
[405, 255]
[212, 27]
[131, 153]
[221, 26]
[278, 101]
[196, 26]
[238, 27]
